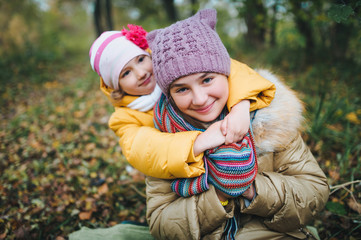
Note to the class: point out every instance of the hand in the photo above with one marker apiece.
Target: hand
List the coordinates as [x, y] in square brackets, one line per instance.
[236, 124]
[250, 192]
[211, 138]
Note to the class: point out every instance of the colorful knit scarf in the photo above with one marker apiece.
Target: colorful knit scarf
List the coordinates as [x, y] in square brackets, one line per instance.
[230, 168]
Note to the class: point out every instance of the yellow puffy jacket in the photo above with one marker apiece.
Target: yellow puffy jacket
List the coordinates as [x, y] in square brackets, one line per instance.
[170, 155]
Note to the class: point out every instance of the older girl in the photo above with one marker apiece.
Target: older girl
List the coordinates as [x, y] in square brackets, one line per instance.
[191, 66]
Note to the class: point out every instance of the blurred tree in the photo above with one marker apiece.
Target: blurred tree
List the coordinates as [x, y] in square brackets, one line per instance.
[103, 19]
[255, 16]
[303, 12]
[330, 35]
[170, 10]
[195, 6]
[346, 19]
[274, 23]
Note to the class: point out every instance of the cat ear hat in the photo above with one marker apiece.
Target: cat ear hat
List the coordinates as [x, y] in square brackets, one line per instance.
[186, 47]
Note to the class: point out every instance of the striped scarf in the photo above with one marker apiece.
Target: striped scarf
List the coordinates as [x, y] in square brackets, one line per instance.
[229, 168]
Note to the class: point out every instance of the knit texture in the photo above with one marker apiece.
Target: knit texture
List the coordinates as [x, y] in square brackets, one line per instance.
[186, 47]
[230, 168]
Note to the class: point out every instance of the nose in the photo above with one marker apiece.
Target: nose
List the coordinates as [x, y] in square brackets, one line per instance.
[200, 97]
[141, 73]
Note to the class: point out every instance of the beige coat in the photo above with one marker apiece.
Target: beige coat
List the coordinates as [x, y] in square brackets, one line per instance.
[291, 188]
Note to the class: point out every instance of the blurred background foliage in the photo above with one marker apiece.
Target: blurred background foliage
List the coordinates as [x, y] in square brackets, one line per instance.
[61, 167]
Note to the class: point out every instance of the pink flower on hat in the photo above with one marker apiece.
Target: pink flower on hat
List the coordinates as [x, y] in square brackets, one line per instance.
[137, 35]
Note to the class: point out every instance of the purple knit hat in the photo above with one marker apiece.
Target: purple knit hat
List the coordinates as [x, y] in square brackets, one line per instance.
[186, 47]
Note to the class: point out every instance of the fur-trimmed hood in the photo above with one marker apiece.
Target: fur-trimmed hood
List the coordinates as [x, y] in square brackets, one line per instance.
[275, 126]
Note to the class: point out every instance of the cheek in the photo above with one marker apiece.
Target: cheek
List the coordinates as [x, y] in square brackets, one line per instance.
[180, 101]
[127, 84]
[221, 89]
[221, 92]
[149, 65]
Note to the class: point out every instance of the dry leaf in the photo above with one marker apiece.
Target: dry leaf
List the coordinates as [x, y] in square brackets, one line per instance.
[354, 205]
[85, 215]
[334, 174]
[103, 189]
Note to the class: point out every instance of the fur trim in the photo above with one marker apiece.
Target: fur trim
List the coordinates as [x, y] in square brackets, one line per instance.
[275, 126]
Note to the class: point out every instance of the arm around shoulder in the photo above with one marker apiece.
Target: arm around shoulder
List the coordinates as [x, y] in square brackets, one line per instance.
[157, 154]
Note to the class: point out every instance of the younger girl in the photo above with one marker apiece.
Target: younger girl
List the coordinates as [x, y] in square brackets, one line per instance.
[123, 62]
[191, 68]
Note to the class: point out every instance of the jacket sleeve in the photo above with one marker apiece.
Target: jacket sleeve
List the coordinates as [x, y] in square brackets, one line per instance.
[245, 83]
[294, 193]
[173, 217]
[157, 154]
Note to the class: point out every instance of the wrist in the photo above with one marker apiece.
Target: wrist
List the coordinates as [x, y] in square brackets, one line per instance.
[197, 145]
[243, 104]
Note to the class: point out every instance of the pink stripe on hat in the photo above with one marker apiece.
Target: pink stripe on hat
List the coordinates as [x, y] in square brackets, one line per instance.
[101, 49]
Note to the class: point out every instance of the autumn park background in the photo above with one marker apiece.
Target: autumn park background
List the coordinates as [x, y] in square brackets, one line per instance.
[61, 167]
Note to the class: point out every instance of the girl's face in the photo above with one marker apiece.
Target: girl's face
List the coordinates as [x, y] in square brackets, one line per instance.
[136, 78]
[201, 95]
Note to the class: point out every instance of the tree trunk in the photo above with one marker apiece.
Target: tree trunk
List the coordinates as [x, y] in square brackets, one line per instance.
[273, 25]
[195, 6]
[255, 17]
[303, 23]
[340, 34]
[170, 10]
[97, 18]
[103, 20]
[109, 16]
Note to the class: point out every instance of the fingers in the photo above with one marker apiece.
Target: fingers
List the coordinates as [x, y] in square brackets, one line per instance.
[229, 138]
[233, 137]
[224, 126]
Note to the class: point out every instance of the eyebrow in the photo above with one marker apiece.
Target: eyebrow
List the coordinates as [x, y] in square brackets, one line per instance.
[198, 78]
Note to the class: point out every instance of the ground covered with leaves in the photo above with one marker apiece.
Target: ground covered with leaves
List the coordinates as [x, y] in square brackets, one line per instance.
[61, 167]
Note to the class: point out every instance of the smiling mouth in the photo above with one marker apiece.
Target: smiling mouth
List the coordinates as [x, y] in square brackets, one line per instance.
[146, 81]
[204, 109]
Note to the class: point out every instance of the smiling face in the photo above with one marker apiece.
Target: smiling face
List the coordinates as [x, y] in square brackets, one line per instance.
[136, 78]
[201, 95]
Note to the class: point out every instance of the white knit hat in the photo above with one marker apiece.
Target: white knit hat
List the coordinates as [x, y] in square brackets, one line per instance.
[110, 52]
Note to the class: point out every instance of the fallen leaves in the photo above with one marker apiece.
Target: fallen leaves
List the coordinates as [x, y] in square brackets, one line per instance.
[60, 165]
[85, 215]
[103, 189]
